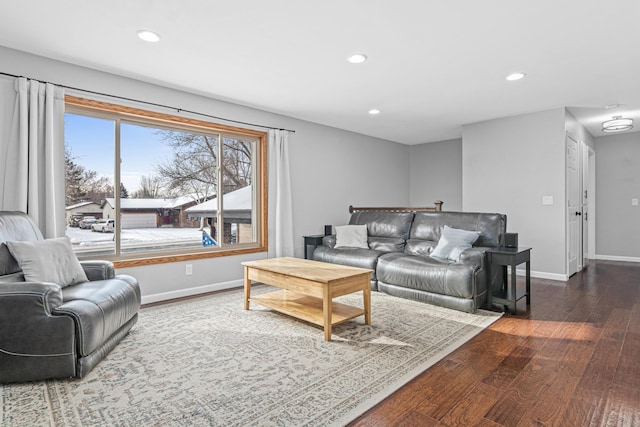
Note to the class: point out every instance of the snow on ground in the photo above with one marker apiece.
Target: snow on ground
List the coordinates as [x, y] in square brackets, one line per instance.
[142, 235]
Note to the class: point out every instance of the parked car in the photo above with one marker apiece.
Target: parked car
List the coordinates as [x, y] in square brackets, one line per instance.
[104, 225]
[75, 221]
[87, 221]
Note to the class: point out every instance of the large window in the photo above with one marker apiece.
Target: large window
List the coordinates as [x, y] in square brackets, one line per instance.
[182, 188]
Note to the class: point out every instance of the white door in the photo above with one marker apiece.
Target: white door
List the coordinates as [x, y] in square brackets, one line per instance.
[574, 205]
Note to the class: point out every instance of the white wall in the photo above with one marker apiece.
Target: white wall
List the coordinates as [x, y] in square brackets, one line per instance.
[617, 183]
[508, 165]
[331, 168]
[436, 174]
[578, 131]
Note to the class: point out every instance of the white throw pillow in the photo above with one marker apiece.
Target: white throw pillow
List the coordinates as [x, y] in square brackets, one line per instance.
[351, 236]
[453, 242]
[49, 260]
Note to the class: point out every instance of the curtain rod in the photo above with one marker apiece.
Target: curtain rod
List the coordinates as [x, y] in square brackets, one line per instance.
[179, 110]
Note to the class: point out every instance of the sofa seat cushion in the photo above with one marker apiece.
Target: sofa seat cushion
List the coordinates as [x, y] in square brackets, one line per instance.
[99, 309]
[427, 274]
[354, 257]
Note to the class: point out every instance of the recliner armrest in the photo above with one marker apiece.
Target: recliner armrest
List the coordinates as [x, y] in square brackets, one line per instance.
[24, 297]
[473, 256]
[98, 270]
[329, 241]
[29, 330]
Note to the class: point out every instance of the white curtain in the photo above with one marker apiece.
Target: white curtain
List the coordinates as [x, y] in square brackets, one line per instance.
[32, 152]
[280, 205]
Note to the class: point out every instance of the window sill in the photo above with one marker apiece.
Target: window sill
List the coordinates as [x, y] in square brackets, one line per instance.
[121, 262]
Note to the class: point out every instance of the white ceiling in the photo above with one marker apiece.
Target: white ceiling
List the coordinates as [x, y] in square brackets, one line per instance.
[433, 65]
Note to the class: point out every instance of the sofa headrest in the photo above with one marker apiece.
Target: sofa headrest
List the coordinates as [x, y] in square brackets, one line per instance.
[14, 226]
[384, 224]
[429, 225]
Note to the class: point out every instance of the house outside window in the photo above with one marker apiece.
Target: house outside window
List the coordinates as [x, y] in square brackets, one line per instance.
[164, 192]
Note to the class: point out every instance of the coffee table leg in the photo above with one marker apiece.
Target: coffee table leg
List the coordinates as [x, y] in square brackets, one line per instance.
[247, 288]
[327, 308]
[366, 293]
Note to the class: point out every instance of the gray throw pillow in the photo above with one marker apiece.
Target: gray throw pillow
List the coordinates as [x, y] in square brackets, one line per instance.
[351, 236]
[453, 242]
[49, 260]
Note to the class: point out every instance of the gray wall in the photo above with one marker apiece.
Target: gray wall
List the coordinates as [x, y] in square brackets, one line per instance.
[436, 174]
[617, 182]
[578, 131]
[508, 165]
[331, 168]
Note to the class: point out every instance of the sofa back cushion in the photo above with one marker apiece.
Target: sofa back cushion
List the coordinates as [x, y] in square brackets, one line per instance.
[384, 224]
[387, 231]
[14, 226]
[429, 225]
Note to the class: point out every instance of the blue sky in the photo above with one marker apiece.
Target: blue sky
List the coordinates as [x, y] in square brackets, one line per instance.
[92, 143]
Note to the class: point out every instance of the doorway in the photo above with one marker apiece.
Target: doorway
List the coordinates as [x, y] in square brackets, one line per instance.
[574, 204]
[580, 207]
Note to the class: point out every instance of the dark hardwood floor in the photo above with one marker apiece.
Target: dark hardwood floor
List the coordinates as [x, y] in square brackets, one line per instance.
[571, 359]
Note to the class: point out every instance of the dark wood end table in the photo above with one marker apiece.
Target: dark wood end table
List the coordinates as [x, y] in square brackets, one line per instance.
[509, 295]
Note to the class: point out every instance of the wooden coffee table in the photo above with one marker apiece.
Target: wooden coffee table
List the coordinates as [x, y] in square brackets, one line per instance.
[308, 288]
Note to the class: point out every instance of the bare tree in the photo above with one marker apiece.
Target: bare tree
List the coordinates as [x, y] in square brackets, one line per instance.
[82, 184]
[150, 188]
[193, 167]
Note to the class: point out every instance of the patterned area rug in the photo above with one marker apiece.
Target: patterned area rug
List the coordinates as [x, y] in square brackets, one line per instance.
[208, 362]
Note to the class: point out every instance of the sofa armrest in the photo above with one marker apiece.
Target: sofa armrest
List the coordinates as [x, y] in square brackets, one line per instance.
[27, 326]
[473, 256]
[329, 241]
[25, 297]
[98, 270]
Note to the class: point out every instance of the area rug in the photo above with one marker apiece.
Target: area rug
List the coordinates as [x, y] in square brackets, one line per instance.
[208, 362]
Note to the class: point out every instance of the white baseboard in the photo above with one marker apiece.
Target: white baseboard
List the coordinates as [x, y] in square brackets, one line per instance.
[617, 258]
[548, 276]
[540, 274]
[181, 293]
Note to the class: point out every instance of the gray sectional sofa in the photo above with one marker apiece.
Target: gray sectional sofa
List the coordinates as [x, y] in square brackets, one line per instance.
[399, 251]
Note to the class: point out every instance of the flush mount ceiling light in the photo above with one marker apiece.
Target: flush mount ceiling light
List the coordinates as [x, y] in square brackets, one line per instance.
[374, 111]
[617, 124]
[515, 76]
[357, 58]
[149, 36]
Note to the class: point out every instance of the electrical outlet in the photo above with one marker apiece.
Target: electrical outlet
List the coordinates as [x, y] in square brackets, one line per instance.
[634, 202]
[547, 200]
[189, 269]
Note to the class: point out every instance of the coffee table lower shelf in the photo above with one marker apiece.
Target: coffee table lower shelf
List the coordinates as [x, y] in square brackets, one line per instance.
[306, 307]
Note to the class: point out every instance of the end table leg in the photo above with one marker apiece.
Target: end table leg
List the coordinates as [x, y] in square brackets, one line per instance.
[247, 288]
[513, 289]
[528, 282]
[327, 309]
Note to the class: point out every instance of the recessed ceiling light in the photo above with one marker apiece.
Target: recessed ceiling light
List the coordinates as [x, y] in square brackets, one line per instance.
[149, 36]
[357, 58]
[515, 76]
[374, 111]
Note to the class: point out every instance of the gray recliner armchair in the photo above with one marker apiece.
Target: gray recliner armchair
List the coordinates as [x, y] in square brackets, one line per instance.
[50, 331]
